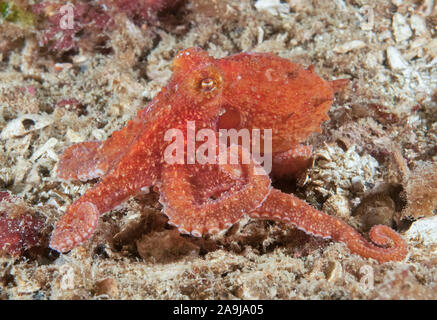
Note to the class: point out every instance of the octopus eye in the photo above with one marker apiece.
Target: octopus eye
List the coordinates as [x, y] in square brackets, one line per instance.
[208, 85]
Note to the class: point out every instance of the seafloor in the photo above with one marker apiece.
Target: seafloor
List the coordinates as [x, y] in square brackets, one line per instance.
[374, 162]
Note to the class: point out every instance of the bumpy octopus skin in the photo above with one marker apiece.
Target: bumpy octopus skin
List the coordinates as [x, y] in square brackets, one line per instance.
[247, 90]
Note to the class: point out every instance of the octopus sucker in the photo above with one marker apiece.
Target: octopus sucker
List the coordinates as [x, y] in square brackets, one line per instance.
[245, 91]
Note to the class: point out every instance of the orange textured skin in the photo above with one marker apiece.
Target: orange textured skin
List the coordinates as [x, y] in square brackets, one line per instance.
[247, 90]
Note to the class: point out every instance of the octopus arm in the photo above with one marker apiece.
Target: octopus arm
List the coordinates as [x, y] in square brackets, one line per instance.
[134, 171]
[289, 163]
[93, 159]
[198, 208]
[387, 244]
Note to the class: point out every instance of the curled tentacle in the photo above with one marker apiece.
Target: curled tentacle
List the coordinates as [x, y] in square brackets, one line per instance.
[215, 201]
[388, 244]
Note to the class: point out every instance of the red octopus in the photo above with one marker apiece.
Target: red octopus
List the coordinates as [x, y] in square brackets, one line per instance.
[243, 91]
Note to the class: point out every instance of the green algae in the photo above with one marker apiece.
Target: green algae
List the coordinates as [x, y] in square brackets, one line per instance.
[12, 12]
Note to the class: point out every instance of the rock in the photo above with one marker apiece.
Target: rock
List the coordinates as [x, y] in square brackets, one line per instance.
[24, 125]
[424, 230]
[357, 184]
[300, 5]
[401, 29]
[375, 209]
[165, 246]
[349, 46]
[369, 16]
[274, 7]
[334, 271]
[338, 205]
[46, 149]
[395, 60]
[107, 287]
[418, 24]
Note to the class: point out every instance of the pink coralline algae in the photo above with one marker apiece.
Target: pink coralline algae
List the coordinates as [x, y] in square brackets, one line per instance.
[20, 228]
[65, 24]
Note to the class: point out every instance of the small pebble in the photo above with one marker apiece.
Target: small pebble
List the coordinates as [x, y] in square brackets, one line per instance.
[107, 287]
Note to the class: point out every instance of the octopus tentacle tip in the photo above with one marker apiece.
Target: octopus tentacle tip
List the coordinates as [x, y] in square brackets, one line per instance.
[386, 244]
[75, 228]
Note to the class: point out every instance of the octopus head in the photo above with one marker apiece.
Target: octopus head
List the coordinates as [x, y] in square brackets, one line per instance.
[265, 91]
[196, 76]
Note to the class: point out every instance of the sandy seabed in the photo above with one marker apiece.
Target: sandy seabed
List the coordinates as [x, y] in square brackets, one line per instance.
[374, 162]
